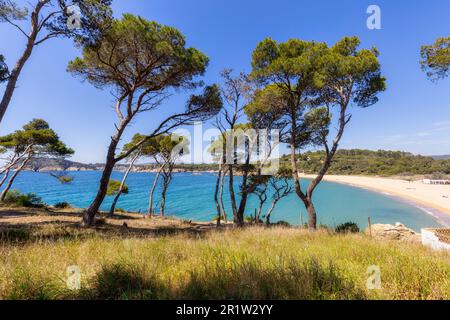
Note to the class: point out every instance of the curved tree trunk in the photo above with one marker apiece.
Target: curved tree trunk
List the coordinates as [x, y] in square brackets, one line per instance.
[269, 213]
[232, 196]
[262, 201]
[245, 191]
[312, 215]
[150, 199]
[216, 196]
[15, 72]
[167, 179]
[222, 182]
[6, 175]
[163, 200]
[122, 184]
[89, 214]
[13, 177]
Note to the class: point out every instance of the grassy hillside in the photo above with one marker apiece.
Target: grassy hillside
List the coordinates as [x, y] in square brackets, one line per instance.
[252, 263]
[366, 162]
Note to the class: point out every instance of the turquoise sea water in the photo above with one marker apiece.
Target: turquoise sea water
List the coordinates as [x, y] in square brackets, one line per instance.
[191, 197]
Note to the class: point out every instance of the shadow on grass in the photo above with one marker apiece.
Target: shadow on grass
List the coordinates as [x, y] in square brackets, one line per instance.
[53, 231]
[308, 280]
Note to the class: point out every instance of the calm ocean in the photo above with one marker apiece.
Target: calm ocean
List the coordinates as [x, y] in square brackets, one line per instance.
[191, 197]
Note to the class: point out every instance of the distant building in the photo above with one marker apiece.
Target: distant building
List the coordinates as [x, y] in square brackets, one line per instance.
[439, 182]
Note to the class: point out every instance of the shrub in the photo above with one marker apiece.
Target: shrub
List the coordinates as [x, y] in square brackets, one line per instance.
[65, 179]
[252, 219]
[62, 205]
[249, 219]
[29, 200]
[348, 227]
[283, 224]
[114, 187]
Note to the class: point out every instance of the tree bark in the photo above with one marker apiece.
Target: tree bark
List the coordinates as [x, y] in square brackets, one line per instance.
[245, 187]
[269, 213]
[312, 218]
[222, 182]
[122, 184]
[89, 214]
[6, 175]
[163, 199]
[243, 202]
[258, 213]
[15, 72]
[216, 197]
[312, 215]
[13, 177]
[150, 199]
[167, 178]
[232, 195]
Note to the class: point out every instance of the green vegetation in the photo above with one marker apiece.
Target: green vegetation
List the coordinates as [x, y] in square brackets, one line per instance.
[62, 205]
[114, 187]
[36, 139]
[65, 179]
[4, 72]
[18, 199]
[304, 89]
[436, 59]
[253, 263]
[367, 162]
[143, 61]
[348, 227]
[306, 83]
[40, 25]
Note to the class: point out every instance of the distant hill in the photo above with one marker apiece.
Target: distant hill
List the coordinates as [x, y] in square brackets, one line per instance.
[55, 164]
[367, 162]
[346, 162]
[442, 157]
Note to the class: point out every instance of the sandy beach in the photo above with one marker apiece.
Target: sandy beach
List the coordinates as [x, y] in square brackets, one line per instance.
[435, 198]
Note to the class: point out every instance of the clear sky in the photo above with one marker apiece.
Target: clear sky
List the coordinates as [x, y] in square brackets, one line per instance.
[412, 115]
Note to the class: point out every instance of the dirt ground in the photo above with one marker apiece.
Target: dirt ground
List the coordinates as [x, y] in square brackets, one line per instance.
[35, 220]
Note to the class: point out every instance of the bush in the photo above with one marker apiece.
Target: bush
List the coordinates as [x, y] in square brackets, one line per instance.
[114, 188]
[62, 205]
[348, 227]
[65, 179]
[29, 200]
[283, 224]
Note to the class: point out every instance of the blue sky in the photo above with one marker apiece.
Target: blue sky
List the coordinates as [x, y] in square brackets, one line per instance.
[412, 115]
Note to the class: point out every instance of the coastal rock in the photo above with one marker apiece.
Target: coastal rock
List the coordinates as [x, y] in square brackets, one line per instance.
[398, 232]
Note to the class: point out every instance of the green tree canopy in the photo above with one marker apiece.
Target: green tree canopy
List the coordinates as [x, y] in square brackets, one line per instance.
[348, 75]
[436, 58]
[52, 18]
[136, 54]
[157, 146]
[114, 188]
[4, 72]
[82, 20]
[38, 138]
[142, 61]
[300, 76]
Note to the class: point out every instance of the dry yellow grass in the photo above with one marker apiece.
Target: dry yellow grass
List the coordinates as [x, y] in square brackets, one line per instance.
[169, 259]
